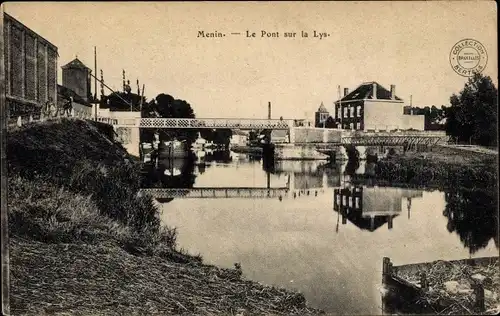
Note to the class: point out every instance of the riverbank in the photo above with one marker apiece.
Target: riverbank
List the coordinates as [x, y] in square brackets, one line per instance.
[246, 150]
[82, 239]
[441, 167]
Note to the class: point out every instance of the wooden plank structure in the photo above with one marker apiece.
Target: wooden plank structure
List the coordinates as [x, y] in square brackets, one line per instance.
[403, 296]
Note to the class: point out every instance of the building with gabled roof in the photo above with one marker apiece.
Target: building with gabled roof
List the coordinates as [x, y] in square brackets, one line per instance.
[372, 107]
[77, 77]
[321, 116]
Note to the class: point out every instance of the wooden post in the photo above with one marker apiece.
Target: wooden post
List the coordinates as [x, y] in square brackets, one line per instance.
[3, 162]
[479, 293]
[423, 281]
[386, 269]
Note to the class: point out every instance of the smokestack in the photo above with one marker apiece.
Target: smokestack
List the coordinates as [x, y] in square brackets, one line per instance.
[393, 92]
[346, 91]
[374, 90]
[269, 110]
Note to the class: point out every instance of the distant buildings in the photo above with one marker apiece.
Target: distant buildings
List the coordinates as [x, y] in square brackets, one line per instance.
[239, 138]
[321, 116]
[76, 77]
[372, 107]
[30, 68]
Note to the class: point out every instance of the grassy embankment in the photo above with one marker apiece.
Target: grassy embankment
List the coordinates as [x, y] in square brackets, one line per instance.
[442, 168]
[84, 242]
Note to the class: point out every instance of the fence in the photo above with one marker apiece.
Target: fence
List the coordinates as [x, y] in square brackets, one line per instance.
[38, 117]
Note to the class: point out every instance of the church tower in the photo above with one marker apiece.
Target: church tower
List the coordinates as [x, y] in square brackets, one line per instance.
[321, 116]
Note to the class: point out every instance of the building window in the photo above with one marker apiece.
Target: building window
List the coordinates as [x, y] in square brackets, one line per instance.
[358, 125]
[344, 201]
[352, 112]
[359, 110]
[357, 202]
[351, 126]
[350, 201]
[345, 110]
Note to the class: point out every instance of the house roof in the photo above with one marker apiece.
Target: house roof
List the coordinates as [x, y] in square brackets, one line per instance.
[322, 108]
[364, 223]
[365, 91]
[75, 63]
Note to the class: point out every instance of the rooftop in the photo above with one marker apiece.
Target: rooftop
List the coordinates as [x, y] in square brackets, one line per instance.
[75, 63]
[365, 91]
[322, 108]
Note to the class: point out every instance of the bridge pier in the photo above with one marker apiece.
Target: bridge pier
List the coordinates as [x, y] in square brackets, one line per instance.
[129, 138]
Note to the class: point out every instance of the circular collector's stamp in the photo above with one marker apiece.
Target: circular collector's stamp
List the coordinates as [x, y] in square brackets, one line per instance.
[467, 57]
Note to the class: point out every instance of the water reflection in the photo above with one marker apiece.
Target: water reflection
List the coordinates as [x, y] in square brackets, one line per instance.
[473, 215]
[369, 208]
[314, 238]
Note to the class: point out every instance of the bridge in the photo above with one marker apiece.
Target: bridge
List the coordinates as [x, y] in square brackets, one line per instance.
[290, 189]
[323, 138]
[216, 193]
[211, 123]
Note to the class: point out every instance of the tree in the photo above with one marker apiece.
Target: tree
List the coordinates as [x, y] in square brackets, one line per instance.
[121, 101]
[330, 123]
[220, 136]
[472, 116]
[166, 106]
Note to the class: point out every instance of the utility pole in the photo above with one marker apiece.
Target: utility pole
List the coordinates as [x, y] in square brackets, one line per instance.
[269, 110]
[105, 85]
[411, 104]
[341, 109]
[3, 161]
[95, 82]
[142, 96]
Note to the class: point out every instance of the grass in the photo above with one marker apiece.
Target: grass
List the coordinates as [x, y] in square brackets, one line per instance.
[83, 241]
[80, 279]
[442, 167]
[69, 183]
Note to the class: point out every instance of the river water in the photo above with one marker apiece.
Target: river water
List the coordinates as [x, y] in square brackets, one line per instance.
[328, 239]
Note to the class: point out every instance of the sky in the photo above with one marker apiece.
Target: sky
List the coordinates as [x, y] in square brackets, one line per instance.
[402, 43]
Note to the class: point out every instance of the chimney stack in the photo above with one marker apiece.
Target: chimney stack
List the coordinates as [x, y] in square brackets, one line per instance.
[346, 91]
[393, 92]
[269, 110]
[374, 90]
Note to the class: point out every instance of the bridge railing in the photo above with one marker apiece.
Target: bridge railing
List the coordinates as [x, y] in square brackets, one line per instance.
[213, 123]
[211, 193]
